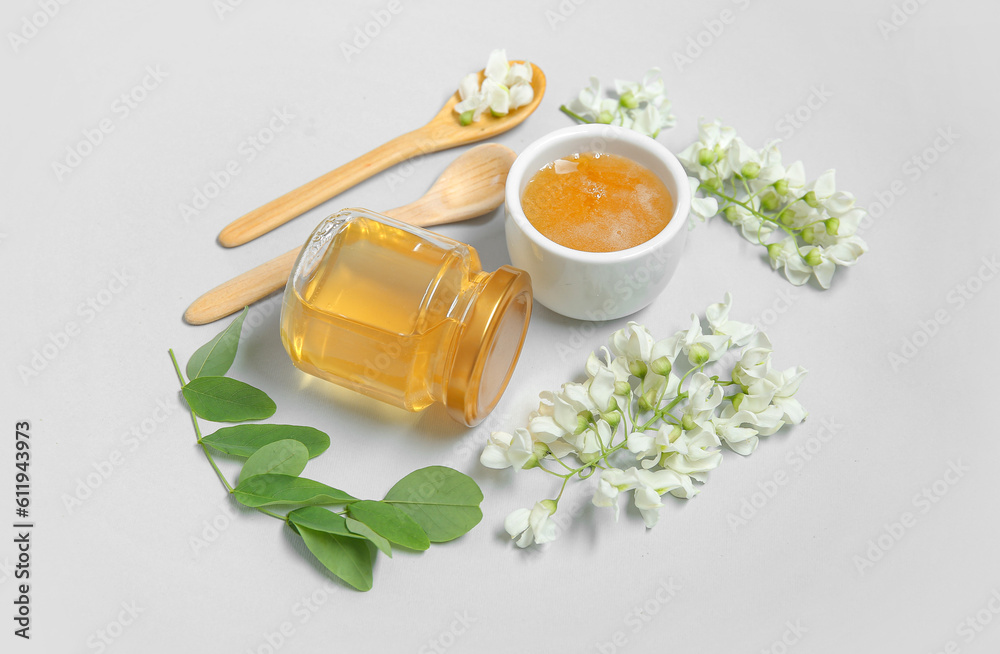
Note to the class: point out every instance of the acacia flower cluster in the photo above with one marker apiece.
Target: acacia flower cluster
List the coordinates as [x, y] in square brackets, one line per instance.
[762, 197]
[505, 88]
[649, 418]
[641, 106]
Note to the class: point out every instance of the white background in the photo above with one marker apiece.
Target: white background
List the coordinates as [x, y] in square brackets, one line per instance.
[736, 587]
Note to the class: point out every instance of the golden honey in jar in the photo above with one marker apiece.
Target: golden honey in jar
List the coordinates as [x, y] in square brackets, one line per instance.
[597, 202]
[404, 315]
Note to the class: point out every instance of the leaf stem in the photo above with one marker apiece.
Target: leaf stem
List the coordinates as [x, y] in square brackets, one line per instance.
[197, 429]
[563, 108]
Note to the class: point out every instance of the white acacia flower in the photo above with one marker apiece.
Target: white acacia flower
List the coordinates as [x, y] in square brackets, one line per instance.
[708, 157]
[751, 226]
[697, 346]
[717, 315]
[633, 342]
[757, 400]
[786, 384]
[694, 453]
[704, 396]
[617, 366]
[844, 252]
[755, 361]
[612, 482]
[504, 88]
[729, 428]
[507, 450]
[527, 526]
[785, 254]
[702, 208]
[652, 485]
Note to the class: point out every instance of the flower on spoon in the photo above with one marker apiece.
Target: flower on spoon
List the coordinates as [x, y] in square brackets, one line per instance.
[505, 88]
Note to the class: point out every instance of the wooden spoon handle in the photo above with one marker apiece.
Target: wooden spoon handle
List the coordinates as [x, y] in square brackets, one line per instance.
[294, 203]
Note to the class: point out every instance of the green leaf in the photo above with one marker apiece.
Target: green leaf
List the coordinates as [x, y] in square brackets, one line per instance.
[222, 399]
[362, 529]
[391, 523]
[216, 356]
[244, 440]
[443, 501]
[319, 519]
[348, 558]
[265, 490]
[287, 457]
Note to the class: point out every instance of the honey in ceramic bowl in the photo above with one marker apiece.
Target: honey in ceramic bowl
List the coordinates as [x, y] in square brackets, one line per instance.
[597, 202]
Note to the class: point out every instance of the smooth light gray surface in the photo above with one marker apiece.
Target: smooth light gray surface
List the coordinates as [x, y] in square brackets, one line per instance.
[108, 399]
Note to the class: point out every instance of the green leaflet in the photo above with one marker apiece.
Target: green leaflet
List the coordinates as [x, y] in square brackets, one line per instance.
[286, 457]
[320, 519]
[222, 399]
[362, 529]
[267, 490]
[348, 558]
[443, 501]
[391, 523]
[244, 440]
[216, 356]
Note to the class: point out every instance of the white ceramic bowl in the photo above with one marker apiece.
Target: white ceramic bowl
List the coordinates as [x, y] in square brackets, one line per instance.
[596, 285]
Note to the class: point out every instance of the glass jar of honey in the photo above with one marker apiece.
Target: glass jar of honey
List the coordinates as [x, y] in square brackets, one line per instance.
[404, 315]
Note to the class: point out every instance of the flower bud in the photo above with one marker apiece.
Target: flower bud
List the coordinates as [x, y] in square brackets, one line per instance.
[465, 118]
[698, 354]
[540, 450]
[582, 422]
[622, 388]
[647, 401]
[813, 257]
[781, 187]
[612, 404]
[809, 235]
[687, 422]
[661, 366]
[706, 157]
[613, 418]
[713, 184]
[770, 201]
[675, 433]
[774, 251]
[750, 170]
[832, 226]
[589, 457]
[532, 462]
[811, 199]
[786, 218]
[731, 213]
[628, 101]
[605, 117]
[551, 505]
[638, 368]
[738, 400]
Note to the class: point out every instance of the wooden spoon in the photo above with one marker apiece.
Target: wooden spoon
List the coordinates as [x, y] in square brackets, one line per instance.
[470, 186]
[442, 132]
